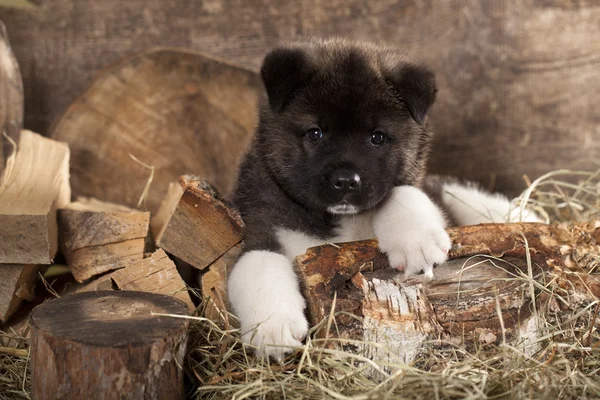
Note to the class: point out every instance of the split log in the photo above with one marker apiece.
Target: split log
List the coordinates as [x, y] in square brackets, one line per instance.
[16, 285]
[30, 193]
[472, 300]
[175, 110]
[108, 345]
[213, 285]
[97, 237]
[155, 274]
[11, 97]
[195, 224]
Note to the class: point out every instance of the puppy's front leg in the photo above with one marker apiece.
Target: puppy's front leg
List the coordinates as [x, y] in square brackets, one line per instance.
[265, 295]
[410, 229]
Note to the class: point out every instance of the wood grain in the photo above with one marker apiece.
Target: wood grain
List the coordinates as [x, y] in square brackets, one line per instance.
[11, 97]
[96, 237]
[202, 226]
[30, 194]
[154, 274]
[518, 78]
[108, 345]
[178, 111]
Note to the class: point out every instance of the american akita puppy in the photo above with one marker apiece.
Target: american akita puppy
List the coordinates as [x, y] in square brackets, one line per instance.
[339, 155]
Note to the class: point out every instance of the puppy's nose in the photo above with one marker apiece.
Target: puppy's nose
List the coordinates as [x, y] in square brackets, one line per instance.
[344, 181]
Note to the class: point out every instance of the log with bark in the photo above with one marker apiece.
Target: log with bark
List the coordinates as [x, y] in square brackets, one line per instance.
[482, 295]
[11, 97]
[195, 224]
[177, 111]
[96, 237]
[108, 345]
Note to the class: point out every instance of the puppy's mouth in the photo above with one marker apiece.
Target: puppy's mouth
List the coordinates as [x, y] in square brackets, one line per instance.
[343, 208]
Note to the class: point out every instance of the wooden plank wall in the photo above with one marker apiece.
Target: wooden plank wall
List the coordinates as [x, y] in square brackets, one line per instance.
[519, 80]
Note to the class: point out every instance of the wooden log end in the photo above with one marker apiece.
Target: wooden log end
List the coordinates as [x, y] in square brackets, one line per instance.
[200, 227]
[108, 344]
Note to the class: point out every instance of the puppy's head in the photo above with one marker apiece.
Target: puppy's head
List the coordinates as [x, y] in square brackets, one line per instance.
[343, 123]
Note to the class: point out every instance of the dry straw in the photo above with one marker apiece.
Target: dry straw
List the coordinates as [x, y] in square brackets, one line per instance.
[562, 360]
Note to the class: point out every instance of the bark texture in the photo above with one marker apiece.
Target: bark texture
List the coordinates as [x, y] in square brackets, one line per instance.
[108, 345]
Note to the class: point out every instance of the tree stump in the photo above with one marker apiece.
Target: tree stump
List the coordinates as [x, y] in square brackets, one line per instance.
[108, 345]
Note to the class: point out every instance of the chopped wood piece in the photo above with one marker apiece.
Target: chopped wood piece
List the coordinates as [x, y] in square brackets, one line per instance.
[108, 345]
[16, 285]
[97, 237]
[135, 107]
[462, 301]
[213, 285]
[200, 227]
[155, 274]
[11, 97]
[160, 219]
[30, 193]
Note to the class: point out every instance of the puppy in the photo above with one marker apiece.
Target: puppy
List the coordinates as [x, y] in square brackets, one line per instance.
[339, 155]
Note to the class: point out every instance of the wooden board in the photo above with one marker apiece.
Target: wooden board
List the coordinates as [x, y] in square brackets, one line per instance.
[108, 345]
[518, 78]
[97, 237]
[11, 97]
[30, 193]
[177, 111]
[201, 227]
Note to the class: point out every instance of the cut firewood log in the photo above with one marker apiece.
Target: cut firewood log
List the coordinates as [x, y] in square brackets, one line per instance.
[195, 224]
[30, 193]
[136, 106]
[11, 97]
[471, 300]
[97, 237]
[108, 345]
[16, 285]
[213, 284]
[155, 274]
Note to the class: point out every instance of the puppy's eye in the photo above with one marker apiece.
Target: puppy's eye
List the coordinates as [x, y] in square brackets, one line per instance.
[378, 138]
[313, 135]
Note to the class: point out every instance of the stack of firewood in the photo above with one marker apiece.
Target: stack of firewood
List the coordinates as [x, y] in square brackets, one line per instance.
[104, 244]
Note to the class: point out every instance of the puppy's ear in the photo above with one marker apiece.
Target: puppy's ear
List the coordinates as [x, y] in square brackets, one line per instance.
[284, 71]
[415, 86]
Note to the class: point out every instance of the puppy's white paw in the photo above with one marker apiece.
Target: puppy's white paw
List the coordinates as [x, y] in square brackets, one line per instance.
[410, 229]
[265, 295]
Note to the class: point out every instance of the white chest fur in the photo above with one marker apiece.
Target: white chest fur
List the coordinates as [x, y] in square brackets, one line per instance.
[352, 227]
